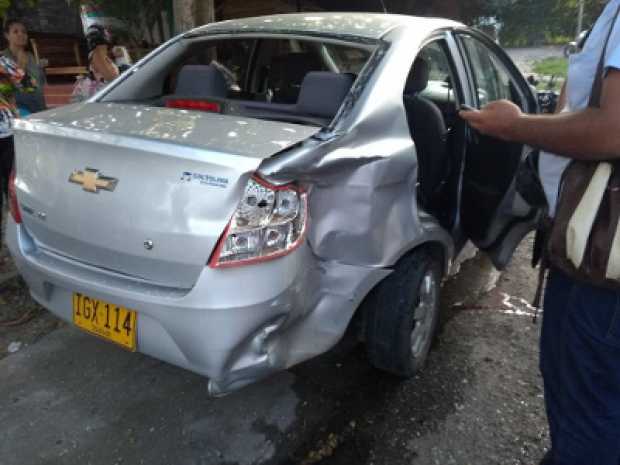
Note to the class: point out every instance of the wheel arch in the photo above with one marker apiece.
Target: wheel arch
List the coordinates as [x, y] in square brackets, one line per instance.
[438, 242]
[441, 250]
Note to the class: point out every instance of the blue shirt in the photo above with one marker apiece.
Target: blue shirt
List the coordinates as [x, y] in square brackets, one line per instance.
[581, 72]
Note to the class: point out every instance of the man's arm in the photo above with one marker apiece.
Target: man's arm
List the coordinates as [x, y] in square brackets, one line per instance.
[589, 134]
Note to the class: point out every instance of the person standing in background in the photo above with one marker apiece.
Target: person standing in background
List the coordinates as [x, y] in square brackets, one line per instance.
[101, 68]
[16, 35]
[99, 60]
[121, 58]
[12, 81]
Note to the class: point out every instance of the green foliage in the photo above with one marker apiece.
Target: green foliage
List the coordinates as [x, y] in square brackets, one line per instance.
[522, 22]
[551, 67]
[533, 22]
[5, 5]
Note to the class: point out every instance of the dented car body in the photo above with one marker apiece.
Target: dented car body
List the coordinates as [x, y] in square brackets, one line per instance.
[252, 188]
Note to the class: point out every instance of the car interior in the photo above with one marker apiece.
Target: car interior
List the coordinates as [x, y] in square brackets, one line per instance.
[488, 207]
[288, 80]
[454, 162]
[430, 101]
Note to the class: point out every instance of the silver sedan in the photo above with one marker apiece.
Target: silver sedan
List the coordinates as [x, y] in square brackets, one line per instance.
[254, 188]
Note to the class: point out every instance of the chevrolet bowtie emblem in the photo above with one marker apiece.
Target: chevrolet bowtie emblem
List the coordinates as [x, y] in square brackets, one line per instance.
[92, 181]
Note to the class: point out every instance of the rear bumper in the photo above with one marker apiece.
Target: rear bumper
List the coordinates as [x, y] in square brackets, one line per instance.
[234, 326]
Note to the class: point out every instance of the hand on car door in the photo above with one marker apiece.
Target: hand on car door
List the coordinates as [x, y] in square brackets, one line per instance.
[496, 119]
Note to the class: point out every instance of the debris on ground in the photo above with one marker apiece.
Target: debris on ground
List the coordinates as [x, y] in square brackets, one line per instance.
[14, 347]
[21, 318]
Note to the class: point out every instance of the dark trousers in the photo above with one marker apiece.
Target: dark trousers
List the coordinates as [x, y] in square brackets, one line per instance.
[580, 364]
[7, 156]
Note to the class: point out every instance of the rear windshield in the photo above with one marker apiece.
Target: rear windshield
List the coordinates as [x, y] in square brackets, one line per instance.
[288, 79]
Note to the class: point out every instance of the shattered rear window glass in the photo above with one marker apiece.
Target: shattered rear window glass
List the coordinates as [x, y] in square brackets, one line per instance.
[291, 79]
[272, 70]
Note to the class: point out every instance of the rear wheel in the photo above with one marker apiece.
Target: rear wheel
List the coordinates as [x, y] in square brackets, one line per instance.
[402, 314]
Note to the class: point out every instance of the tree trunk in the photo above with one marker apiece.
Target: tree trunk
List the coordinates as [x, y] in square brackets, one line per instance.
[205, 12]
[192, 13]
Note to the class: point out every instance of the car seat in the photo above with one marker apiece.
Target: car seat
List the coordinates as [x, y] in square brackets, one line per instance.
[322, 93]
[287, 72]
[429, 132]
[200, 81]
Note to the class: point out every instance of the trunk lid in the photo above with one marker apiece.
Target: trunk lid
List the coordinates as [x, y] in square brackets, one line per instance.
[179, 177]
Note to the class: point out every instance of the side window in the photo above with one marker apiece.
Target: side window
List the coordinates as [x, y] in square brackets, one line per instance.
[440, 88]
[439, 67]
[491, 79]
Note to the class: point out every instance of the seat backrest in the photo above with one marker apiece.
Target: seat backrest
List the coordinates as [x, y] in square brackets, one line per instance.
[200, 81]
[287, 72]
[417, 80]
[428, 127]
[322, 93]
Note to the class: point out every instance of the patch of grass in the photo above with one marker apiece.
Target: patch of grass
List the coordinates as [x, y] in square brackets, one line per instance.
[551, 66]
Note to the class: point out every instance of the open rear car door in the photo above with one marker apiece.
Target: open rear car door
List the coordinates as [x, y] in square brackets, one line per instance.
[501, 197]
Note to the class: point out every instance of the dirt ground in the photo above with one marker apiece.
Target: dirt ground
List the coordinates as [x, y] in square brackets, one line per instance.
[479, 401]
[22, 321]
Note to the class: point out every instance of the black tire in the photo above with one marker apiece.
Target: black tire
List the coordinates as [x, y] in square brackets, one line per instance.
[391, 310]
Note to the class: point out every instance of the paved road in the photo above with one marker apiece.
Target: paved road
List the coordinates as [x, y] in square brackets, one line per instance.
[525, 57]
[72, 399]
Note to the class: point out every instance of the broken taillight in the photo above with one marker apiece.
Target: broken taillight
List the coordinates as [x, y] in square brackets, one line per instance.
[13, 203]
[270, 222]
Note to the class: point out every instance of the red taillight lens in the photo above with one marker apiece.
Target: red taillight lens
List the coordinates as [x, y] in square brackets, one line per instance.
[13, 204]
[189, 104]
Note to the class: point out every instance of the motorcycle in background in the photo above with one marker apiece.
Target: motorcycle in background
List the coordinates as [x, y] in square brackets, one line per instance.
[576, 45]
[547, 98]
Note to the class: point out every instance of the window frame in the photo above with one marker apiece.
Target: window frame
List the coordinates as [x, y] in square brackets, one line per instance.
[444, 40]
[528, 99]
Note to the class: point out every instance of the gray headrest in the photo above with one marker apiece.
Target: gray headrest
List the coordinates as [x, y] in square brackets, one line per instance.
[322, 93]
[418, 77]
[201, 81]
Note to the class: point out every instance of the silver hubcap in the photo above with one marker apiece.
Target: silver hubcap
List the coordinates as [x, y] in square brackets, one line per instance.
[424, 314]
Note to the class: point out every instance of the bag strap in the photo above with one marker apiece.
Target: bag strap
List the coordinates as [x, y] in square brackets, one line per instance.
[597, 86]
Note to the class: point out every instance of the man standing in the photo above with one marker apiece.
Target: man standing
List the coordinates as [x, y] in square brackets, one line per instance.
[580, 342]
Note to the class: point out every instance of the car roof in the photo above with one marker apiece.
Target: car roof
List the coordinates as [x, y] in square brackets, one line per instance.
[362, 25]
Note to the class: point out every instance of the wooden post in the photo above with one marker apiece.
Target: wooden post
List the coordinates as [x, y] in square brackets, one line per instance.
[183, 15]
[192, 13]
[206, 12]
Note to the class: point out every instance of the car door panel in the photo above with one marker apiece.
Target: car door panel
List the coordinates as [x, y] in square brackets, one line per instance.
[494, 214]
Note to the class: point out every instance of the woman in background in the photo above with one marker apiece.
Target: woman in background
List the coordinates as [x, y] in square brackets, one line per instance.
[16, 34]
[12, 81]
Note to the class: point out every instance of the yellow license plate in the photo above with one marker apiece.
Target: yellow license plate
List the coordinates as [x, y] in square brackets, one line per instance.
[106, 320]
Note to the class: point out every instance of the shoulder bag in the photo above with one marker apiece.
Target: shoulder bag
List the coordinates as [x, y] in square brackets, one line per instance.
[584, 240]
